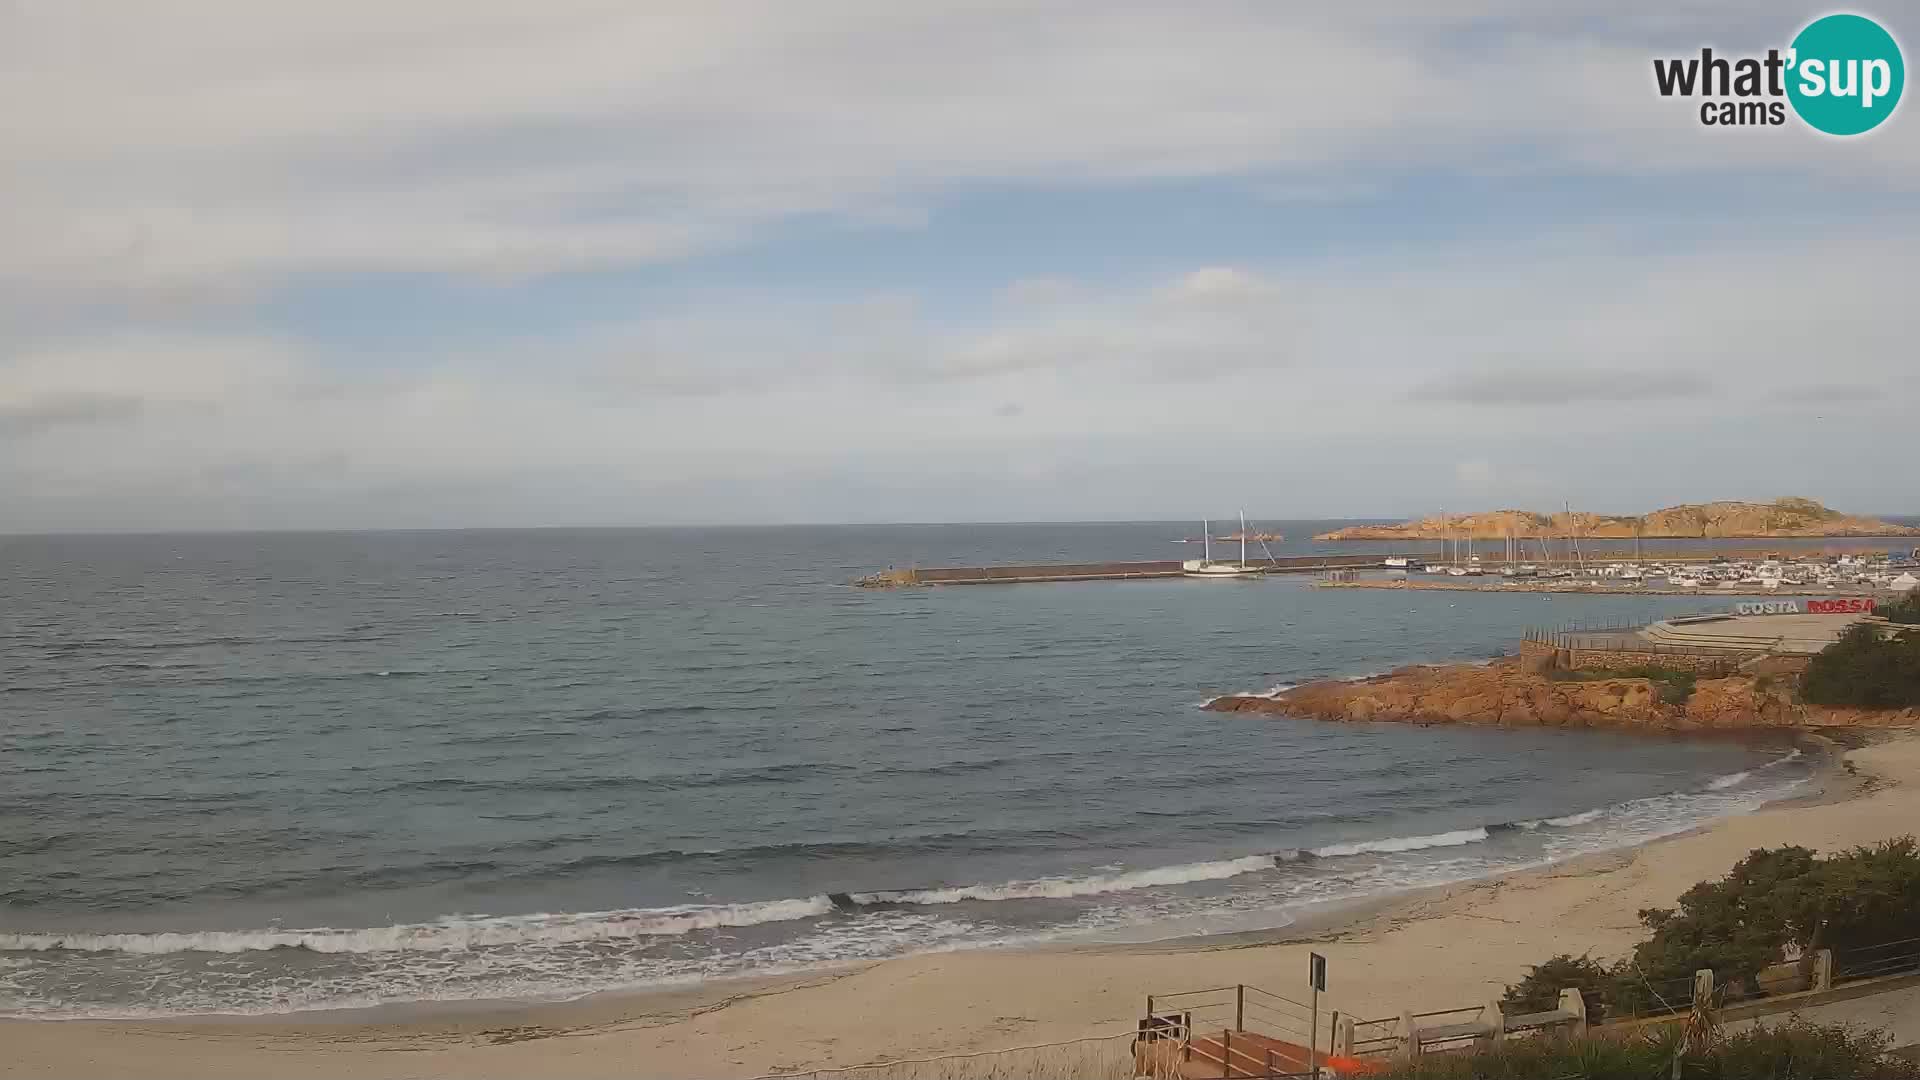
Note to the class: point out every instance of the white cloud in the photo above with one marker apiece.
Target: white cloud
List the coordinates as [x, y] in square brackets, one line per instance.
[221, 144]
[1212, 380]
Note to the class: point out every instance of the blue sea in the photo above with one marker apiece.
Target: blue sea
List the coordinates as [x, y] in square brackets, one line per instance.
[266, 773]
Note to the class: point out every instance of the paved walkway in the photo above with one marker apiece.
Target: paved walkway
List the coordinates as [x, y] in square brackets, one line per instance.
[1896, 1012]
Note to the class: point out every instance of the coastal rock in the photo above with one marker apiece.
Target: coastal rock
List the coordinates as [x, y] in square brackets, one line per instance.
[1506, 694]
[1787, 517]
[1500, 694]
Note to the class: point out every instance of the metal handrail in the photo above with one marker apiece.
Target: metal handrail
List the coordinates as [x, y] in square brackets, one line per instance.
[1191, 993]
[1278, 997]
[1875, 948]
[1449, 1012]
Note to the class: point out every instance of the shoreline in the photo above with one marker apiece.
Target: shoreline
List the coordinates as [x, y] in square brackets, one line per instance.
[1433, 947]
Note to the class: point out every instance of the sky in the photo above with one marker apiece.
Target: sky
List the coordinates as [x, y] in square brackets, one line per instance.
[468, 263]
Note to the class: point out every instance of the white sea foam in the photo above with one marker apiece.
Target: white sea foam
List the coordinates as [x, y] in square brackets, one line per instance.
[451, 934]
[1063, 888]
[1584, 817]
[1722, 783]
[1393, 844]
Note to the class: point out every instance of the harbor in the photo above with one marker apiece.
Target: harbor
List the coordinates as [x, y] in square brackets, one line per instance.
[1584, 587]
[894, 578]
[1689, 574]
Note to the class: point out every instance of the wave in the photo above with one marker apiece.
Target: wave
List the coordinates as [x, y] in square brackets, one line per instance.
[452, 934]
[1626, 822]
[1269, 693]
[1394, 844]
[1065, 888]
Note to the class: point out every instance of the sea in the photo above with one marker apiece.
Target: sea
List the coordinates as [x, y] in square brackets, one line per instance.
[269, 773]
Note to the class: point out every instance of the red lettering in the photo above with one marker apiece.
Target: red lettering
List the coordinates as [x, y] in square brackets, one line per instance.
[1854, 606]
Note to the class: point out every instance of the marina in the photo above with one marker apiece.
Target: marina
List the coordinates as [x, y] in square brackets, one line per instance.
[1858, 573]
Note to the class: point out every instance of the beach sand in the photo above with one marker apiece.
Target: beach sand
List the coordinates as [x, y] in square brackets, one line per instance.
[1441, 948]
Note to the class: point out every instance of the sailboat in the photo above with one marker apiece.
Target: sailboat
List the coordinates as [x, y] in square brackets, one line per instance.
[1205, 567]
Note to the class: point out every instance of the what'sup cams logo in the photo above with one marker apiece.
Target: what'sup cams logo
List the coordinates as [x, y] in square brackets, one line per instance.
[1842, 75]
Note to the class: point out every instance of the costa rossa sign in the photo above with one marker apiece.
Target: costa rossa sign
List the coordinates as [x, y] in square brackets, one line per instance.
[1841, 605]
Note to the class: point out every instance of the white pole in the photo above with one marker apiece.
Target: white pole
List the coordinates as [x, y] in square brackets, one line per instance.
[1313, 1035]
[1206, 538]
[1243, 539]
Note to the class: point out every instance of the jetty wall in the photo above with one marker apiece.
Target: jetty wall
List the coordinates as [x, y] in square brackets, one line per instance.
[1098, 571]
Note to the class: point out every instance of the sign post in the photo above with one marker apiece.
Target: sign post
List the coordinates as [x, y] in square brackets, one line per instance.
[1317, 975]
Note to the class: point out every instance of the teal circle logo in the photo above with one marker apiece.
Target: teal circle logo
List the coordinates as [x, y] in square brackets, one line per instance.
[1845, 75]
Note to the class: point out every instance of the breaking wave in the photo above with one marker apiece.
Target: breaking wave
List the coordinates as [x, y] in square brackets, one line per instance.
[1065, 888]
[1394, 844]
[451, 934]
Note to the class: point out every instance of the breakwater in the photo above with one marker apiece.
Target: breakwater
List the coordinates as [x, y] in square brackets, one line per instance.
[1101, 571]
[1509, 585]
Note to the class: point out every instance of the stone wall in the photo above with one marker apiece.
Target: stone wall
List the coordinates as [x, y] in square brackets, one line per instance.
[1702, 663]
[1542, 656]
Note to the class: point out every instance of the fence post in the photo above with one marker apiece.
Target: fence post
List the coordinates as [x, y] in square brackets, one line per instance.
[1703, 987]
[1240, 1007]
[1823, 970]
[1409, 1037]
[1149, 1006]
[1574, 1002]
[1343, 1037]
[1226, 1053]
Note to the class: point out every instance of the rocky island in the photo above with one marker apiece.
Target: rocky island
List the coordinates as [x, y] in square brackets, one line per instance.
[1782, 518]
[1512, 693]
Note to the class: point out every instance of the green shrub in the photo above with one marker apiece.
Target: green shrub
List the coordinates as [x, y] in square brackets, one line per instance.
[1540, 990]
[1853, 902]
[1864, 669]
[1793, 1050]
[1905, 610]
[1672, 685]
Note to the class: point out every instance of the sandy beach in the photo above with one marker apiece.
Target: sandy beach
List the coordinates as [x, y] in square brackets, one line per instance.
[1436, 949]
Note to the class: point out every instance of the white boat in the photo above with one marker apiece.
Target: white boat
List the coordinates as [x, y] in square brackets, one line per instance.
[1205, 567]
[1397, 562]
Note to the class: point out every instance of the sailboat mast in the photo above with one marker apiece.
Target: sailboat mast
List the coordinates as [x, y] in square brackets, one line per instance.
[1206, 540]
[1243, 539]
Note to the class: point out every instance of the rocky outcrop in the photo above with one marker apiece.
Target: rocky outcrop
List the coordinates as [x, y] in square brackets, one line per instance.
[1508, 694]
[1787, 517]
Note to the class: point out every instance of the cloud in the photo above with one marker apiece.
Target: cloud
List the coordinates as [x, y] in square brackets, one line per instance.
[1524, 386]
[487, 138]
[52, 411]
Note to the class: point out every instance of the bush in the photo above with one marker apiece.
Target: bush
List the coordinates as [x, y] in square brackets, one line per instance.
[1540, 990]
[1852, 902]
[1906, 610]
[1790, 1051]
[1866, 670]
[1672, 685]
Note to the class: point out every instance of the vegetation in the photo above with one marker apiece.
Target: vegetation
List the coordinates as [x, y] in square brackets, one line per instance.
[1795, 1050]
[1865, 669]
[1773, 901]
[1673, 685]
[1907, 610]
[1540, 990]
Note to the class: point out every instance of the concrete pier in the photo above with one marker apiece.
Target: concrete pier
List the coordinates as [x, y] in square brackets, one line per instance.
[1105, 571]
